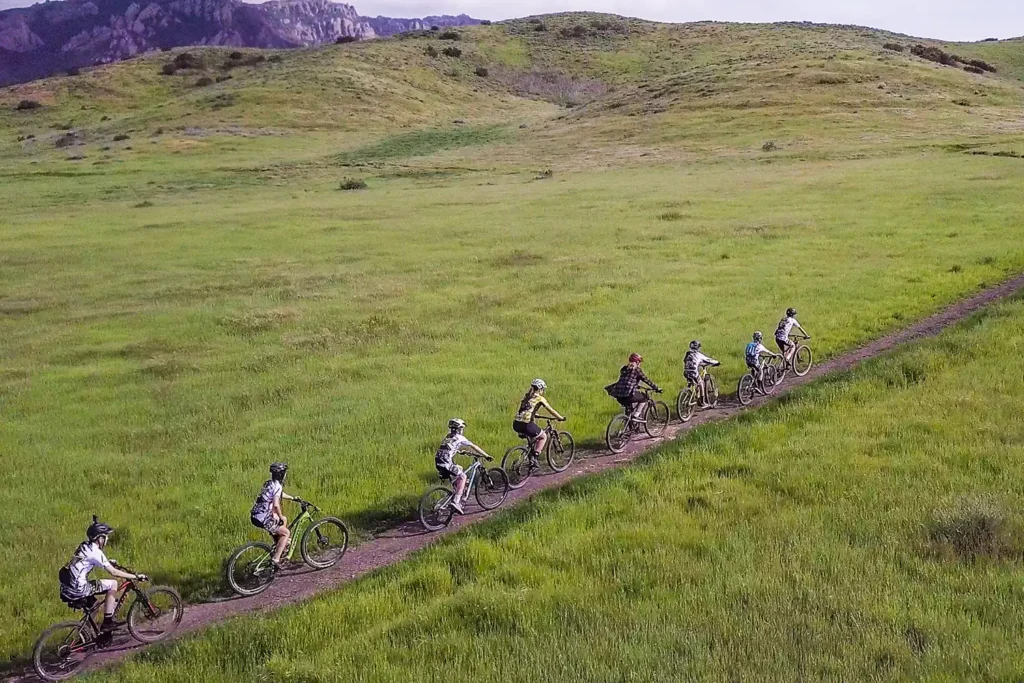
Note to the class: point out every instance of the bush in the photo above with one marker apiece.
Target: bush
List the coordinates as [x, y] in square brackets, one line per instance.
[345, 39]
[769, 146]
[349, 184]
[204, 81]
[431, 51]
[895, 47]
[934, 54]
[540, 27]
[450, 35]
[534, 20]
[979, 64]
[187, 60]
[225, 77]
[169, 69]
[452, 52]
[74, 71]
[235, 56]
[973, 69]
[485, 22]
[121, 136]
[972, 528]
[27, 105]
[481, 71]
[575, 31]
[66, 140]
[547, 174]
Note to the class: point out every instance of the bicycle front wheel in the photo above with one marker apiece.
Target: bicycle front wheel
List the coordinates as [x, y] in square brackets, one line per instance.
[61, 650]
[802, 361]
[516, 464]
[491, 488]
[324, 543]
[435, 508]
[685, 404]
[156, 616]
[745, 390]
[250, 570]
[561, 450]
[711, 391]
[657, 419]
[769, 380]
[617, 434]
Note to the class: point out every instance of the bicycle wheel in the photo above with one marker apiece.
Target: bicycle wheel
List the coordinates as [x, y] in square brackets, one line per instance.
[324, 543]
[802, 361]
[561, 449]
[710, 391]
[491, 488]
[435, 509]
[516, 464]
[250, 570]
[157, 616]
[686, 404]
[61, 650]
[781, 369]
[656, 419]
[745, 389]
[617, 435]
[769, 380]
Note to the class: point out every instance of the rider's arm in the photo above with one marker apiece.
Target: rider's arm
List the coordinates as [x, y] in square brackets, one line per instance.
[287, 497]
[797, 322]
[117, 573]
[643, 378]
[466, 443]
[275, 507]
[551, 410]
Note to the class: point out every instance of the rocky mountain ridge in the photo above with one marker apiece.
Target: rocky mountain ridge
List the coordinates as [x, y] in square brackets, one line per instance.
[51, 37]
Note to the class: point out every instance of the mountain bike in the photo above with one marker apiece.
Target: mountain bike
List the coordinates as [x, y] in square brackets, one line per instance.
[749, 387]
[560, 450]
[686, 403]
[490, 486]
[801, 362]
[652, 418]
[323, 542]
[153, 614]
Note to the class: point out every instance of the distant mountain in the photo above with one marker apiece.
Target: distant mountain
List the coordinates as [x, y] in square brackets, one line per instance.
[51, 37]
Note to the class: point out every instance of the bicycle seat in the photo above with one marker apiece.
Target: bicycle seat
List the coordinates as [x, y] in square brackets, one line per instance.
[86, 603]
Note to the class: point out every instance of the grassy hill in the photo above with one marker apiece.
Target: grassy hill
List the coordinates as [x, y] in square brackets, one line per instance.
[186, 295]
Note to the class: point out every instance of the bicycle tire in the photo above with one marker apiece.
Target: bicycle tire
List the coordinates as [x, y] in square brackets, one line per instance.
[616, 436]
[656, 419]
[257, 570]
[710, 391]
[802, 360]
[561, 450]
[768, 380]
[686, 404]
[491, 488]
[158, 628]
[516, 464]
[315, 538]
[432, 518]
[745, 389]
[779, 363]
[70, 637]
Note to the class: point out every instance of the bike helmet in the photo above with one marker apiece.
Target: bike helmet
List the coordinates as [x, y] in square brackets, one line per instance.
[278, 470]
[539, 384]
[758, 336]
[695, 345]
[636, 358]
[456, 425]
[790, 312]
[97, 529]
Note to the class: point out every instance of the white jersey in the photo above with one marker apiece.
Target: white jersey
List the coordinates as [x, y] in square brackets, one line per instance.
[693, 361]
[265, 501]
[445, 455]
[87, 557]
[785, 327]
[754, 351]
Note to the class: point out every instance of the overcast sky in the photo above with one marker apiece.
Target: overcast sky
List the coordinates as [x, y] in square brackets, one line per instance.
[945, 19]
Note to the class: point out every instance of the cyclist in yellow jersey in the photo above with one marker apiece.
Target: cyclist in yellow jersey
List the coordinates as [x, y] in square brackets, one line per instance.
[524, 424]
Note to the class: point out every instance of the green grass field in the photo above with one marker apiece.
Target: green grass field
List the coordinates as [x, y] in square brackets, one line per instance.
[826, 537]
[184, 306]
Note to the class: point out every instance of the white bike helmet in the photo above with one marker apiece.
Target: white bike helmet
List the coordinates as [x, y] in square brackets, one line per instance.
[457, 425]
[539, 384]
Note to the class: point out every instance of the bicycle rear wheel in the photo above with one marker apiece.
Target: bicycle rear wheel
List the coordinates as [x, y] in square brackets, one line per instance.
[61, 650]
[802, 361]
[710, 391]
[745, 389]
[250, 570]
[656, 420]
[686, 404]
[561, 450]
[157, 616]
[617, 435]
[324, 543]
[435, 508]
[769, 380]
[516, 464]
[491, 488]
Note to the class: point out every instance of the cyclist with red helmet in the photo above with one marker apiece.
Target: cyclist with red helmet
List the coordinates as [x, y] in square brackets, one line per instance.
[625, 390]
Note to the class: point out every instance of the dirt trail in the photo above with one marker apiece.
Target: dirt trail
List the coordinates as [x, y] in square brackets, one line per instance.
[395, 544]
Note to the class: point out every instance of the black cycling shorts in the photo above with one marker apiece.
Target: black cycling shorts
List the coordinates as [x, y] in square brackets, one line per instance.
[784, 344]
[630, 401]
[527, 430]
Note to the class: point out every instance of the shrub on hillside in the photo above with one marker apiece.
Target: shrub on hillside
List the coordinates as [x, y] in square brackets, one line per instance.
[204, 81]
[769, 146]
[121, 136]
[345, 39]
[485, 22]
[235, 56]
[187, 60]
[452, 51]
[972, 528]
[973, 69]
[349, 184]
[74, 71]
[934, 54]
[431, 51]
[27, 105]
[894, 47]
[980, 64]
[540, 27]
[168, 69]
[450, 35]
[601, 25]
[66, 140]
[574, 31]
[481, 71]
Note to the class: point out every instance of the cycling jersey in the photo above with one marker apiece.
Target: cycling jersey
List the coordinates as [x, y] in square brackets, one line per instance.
[261, 509]
[785, 327]
[529, 405]
[445, 456]
[74, 577]
[693, 361]
[630, 377]
[754, 351]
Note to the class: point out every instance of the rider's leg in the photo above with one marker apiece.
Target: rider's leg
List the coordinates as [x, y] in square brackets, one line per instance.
[460, 485]
[283, 535]
[109, 587]
[538, 444]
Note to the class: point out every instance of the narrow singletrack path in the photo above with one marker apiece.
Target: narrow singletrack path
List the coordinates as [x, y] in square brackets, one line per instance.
[394, 544]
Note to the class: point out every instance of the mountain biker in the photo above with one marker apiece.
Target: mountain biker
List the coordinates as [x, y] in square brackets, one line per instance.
[625, 389]
[267, 514]
[752, 354]
[524, 424]
[693, 361]
[786, 325]
[444, 459]
[76, 585]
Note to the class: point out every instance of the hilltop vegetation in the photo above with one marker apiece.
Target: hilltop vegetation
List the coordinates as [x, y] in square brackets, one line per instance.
[186, 294]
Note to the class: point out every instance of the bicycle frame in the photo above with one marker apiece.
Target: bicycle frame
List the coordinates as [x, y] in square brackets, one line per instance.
[304, 519]
[470, 473]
